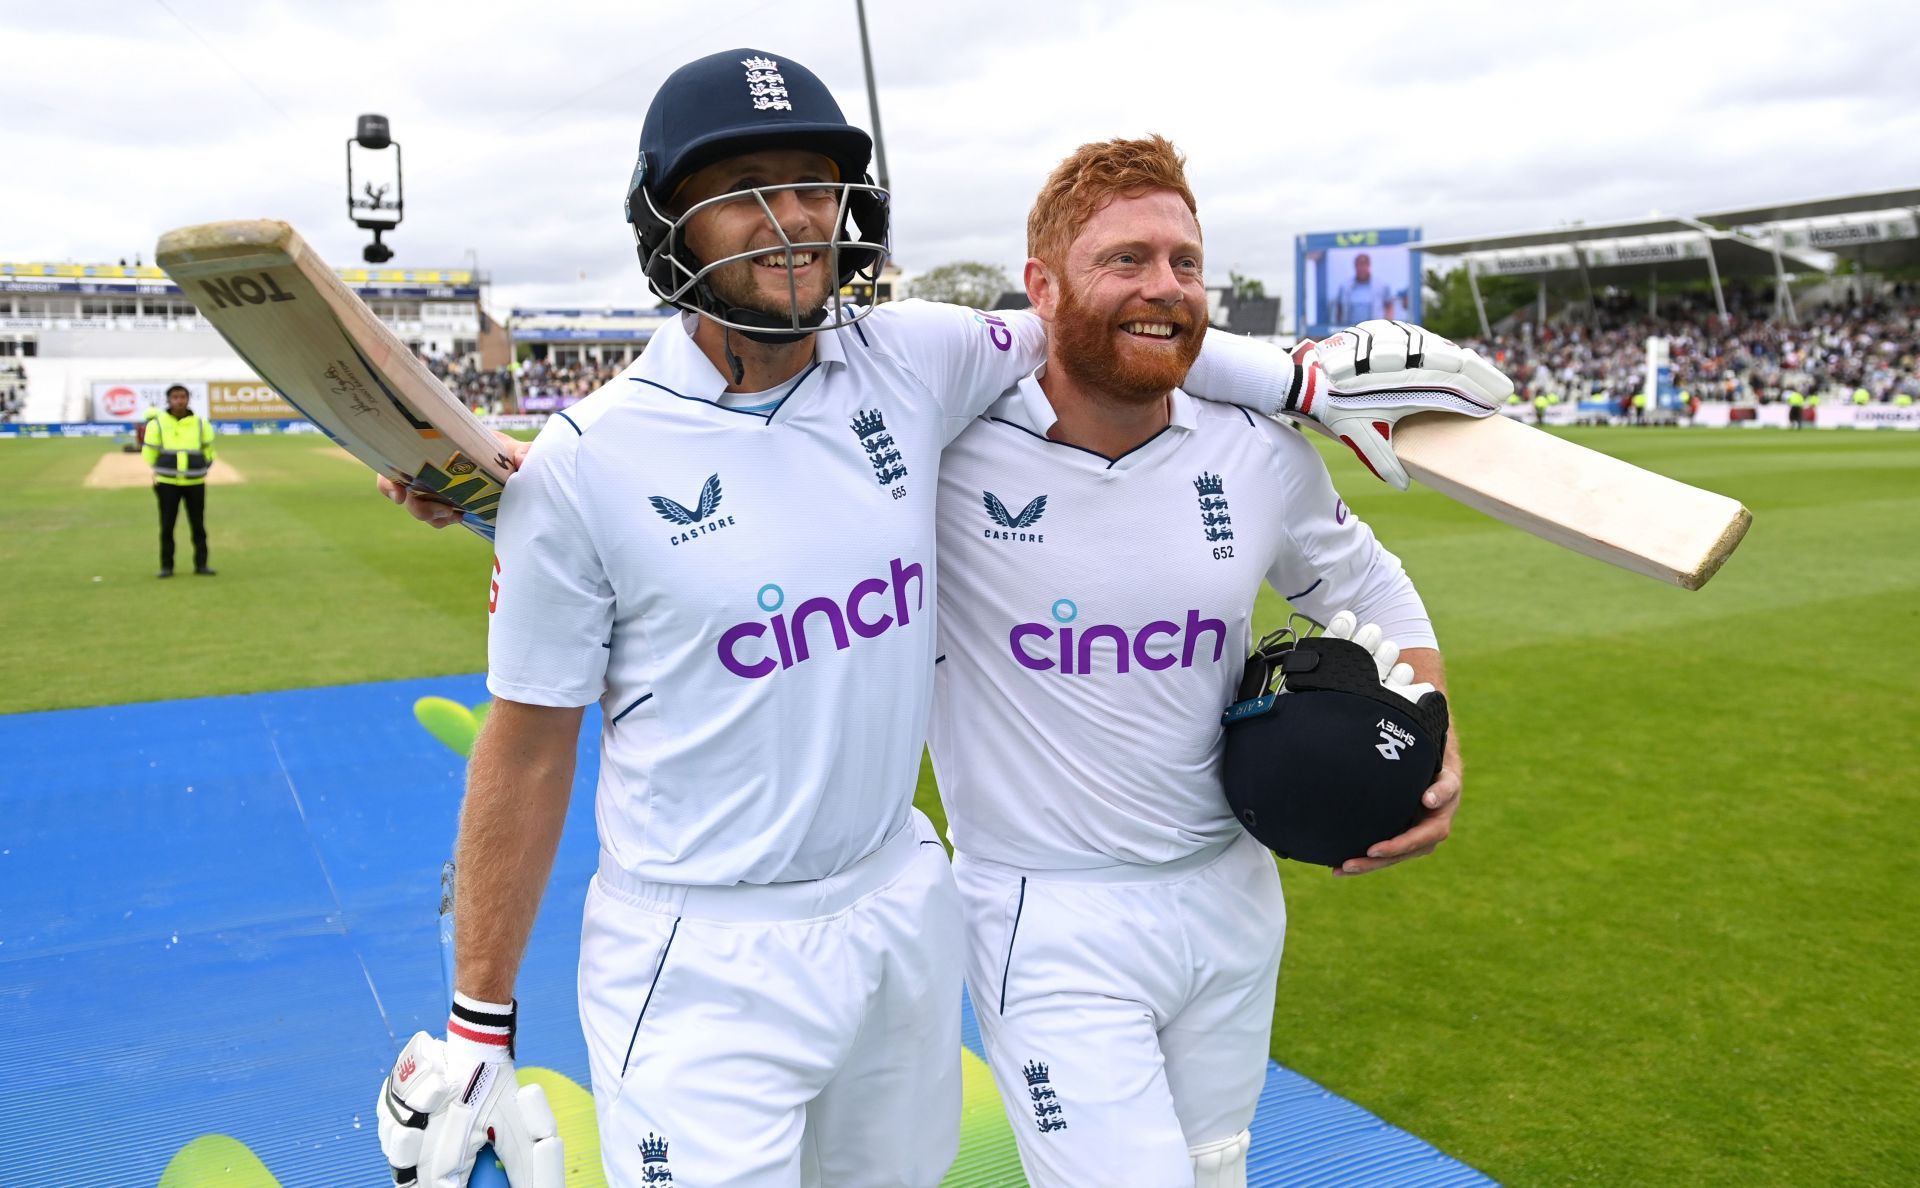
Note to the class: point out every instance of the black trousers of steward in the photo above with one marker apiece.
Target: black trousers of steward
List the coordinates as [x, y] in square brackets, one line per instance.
[171, 497]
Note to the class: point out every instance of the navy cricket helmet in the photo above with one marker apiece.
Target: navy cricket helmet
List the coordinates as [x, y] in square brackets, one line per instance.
[1333, 761]
[726, 105]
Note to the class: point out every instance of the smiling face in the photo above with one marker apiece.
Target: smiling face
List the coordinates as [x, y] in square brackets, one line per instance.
[1127, 307]
[741, 225]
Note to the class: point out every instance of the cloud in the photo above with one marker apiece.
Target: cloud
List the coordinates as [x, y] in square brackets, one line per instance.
[519, 124]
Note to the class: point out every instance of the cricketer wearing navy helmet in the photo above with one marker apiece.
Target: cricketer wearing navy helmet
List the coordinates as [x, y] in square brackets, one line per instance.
[730, 548]
[696, 122]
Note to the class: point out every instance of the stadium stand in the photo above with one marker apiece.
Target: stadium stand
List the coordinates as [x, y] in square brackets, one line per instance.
[547, 386]
[13, 390]
[489, 389]
[1748, 357]
[1740, 306]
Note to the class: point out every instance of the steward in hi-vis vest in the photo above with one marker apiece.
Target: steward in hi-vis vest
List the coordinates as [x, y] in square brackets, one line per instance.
[178, 444]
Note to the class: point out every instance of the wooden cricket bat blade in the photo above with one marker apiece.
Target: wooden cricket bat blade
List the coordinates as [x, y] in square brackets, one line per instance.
[316, 343]
[1577, 498]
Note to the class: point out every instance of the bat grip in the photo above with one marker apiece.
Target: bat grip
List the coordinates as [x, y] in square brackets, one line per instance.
[446, 928]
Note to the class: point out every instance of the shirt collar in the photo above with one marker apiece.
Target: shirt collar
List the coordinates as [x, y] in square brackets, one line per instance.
[1026, 405]
[675, 360]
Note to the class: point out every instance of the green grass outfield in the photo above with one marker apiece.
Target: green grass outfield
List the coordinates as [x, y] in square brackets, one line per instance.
[1676, 937]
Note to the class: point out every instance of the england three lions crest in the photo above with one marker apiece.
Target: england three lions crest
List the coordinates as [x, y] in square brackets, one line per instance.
[1048, 1116]
[766, 86]
[653, 1160]
[1214, 516]
[888, 467]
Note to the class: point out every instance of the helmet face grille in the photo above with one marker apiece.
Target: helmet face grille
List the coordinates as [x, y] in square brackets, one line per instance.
[855, 247]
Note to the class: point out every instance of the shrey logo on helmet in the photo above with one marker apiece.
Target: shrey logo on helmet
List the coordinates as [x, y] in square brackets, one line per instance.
[698, 118]
[1392, 739]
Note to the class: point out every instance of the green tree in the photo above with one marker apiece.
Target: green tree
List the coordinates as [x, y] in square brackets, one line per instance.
[1245, 288]
[967, 282]
[1450, 312]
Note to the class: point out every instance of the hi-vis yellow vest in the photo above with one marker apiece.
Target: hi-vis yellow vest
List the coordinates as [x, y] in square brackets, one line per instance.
[180, 450]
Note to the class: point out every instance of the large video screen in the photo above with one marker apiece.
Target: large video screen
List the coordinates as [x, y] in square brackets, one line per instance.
[1343, 277]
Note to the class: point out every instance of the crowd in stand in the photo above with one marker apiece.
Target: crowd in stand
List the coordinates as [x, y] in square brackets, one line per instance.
[489, 389]
[1750, 356]
[13, 390]
[542, 387]
[554, 385]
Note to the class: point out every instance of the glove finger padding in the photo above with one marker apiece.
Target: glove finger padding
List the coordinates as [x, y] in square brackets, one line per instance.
[440, 1107]
[1395, 357]
[412, 1092]
[527, 1140]
[1357, 384]
[1335, 762]
[1399, 364]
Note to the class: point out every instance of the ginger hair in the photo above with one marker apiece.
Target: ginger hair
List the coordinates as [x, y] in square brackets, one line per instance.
[1094, 175]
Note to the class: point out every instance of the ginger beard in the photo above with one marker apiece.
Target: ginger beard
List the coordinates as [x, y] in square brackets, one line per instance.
[1099, 354]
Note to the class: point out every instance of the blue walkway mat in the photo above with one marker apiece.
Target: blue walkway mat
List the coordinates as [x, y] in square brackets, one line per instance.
[233, 937]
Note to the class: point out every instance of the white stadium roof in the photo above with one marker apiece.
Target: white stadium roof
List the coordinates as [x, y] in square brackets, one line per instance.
[1782, 212]
[1876, 229]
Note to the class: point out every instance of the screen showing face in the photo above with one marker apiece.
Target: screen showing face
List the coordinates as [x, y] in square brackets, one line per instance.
[1354, 276]
[1369, 282]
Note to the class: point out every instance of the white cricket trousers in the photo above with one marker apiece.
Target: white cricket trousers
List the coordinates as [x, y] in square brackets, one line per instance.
[780, 1035]
[1126, 1010]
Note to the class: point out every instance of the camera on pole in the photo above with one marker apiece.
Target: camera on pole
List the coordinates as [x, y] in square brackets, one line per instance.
[373, 183]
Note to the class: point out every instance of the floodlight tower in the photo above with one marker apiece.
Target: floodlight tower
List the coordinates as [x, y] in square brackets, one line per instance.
[873, 98]
[373, 183]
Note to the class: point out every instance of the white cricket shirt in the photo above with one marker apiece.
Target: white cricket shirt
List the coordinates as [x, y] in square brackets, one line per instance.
[749, 596]
[1095, 617]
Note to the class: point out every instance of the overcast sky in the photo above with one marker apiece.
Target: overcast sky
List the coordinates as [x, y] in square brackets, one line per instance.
[519, 121]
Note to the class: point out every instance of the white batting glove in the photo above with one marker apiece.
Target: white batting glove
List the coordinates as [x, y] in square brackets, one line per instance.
[1355, 385]
[446, 1099]
[1396, 677]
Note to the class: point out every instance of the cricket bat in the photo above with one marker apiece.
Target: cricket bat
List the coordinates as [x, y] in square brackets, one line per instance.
[1577, 498]
[309, 337]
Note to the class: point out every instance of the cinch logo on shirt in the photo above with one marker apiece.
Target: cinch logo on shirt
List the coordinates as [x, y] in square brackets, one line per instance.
[998, 332]
[790, 642]
[1044, 647]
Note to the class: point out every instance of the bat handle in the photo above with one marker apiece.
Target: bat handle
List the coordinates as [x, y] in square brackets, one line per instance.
[446, 929]
[486, 1168]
